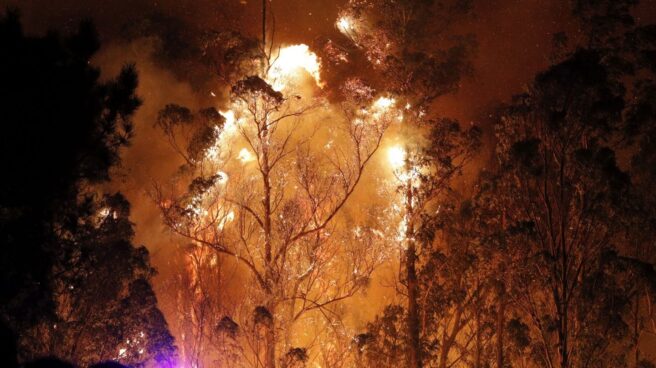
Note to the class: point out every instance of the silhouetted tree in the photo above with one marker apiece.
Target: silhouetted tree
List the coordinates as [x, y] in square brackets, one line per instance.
[569, 210]
[67, 258]
[563, 192]
[48, 363]
[104, 305]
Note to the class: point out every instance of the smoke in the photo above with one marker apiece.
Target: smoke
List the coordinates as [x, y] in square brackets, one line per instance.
[149, 159]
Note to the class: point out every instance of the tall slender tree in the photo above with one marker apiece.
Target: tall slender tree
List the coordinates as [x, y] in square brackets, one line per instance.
[393, 35]
[562, 189]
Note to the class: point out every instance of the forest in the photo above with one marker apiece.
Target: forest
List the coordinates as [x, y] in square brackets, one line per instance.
[328, 184]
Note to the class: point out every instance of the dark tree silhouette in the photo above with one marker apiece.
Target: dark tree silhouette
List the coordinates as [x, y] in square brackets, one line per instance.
[67, 262]
[60, 127]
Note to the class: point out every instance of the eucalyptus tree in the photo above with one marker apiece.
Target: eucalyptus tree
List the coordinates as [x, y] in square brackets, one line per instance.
[413, 50]
[275, 205]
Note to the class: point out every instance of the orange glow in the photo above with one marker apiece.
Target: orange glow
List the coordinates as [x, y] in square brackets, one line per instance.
[245, 155]
[396, 157]
[238, 150]
[384, 103]
[344, 24]
[289, 62]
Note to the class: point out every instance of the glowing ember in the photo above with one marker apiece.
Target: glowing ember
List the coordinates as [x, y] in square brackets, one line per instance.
[290, 60]
[384, 103]
[396, 157]
[223, 177]
[344, 24]
[104, 212]
[229, 117]
[245, 155]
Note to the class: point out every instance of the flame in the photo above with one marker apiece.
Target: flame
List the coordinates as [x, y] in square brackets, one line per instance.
[229, 117]
[230, 126]
[295, 63]
[223, 177]
[402, 230]
[396, 157]
[245, 155]
[344, 24]
[384, 103]
[290, 60]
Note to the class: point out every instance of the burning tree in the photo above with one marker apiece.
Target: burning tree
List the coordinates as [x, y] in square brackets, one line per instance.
[437, 275]
[268, 184]
[411, 45]
[201, 302]
[392, 36]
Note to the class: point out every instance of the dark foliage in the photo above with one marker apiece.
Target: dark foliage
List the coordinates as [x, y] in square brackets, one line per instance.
[71, 282]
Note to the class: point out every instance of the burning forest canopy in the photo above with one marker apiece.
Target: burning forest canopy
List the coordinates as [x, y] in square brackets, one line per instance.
[365, 183]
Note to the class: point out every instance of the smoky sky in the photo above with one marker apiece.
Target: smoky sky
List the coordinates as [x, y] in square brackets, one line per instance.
[514, 36]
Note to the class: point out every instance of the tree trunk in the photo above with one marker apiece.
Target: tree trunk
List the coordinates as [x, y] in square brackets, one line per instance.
[449, 338]
[636, 329]
[564, 354]
[479, 337]
[501, 320]
[563, 327]
[270, 341]
[270, 276]
[414, 345]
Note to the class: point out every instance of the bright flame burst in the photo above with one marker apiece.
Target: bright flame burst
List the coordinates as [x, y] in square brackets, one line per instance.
[290, 60]
[384, 103]
[229, 118]
[245, 155]
[228, 218]
[396, 157]
[344, 24]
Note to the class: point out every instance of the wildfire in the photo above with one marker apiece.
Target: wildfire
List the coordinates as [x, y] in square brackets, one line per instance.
[229, 117]
[245, 155]
[344, 24]
[290, 60]
[384, 103]
[295, 65]
[223, 177]
[396, 157]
